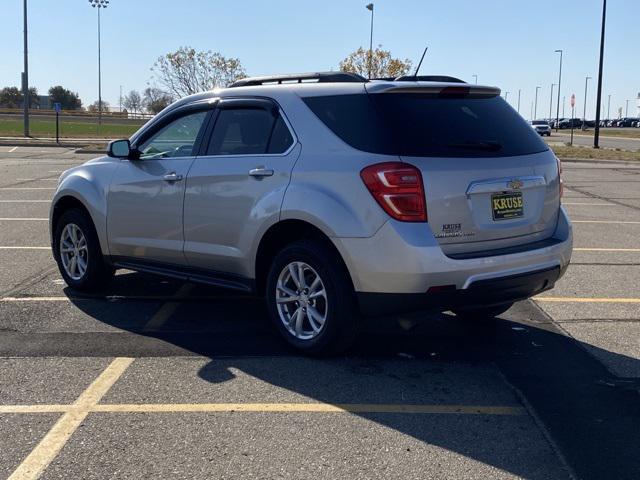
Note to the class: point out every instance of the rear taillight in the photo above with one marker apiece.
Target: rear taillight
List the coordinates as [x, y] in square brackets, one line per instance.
[560, 176]
[399, 190]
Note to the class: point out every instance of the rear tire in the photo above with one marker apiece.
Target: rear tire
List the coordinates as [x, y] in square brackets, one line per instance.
[479, 314]
[311, 300]
[77, 252]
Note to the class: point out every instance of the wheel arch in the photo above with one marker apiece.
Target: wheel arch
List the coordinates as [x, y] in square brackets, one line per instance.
[65, 203]
[282, 234]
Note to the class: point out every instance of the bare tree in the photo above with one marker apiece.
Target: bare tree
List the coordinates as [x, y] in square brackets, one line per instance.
[186, 71]
[93, 108]
[155, 99]
[133, 101]
[381, 62]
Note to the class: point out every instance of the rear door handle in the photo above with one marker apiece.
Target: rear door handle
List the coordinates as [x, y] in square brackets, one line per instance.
[261, 172]
[172, 177]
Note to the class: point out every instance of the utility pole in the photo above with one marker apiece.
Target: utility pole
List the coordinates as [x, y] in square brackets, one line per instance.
[370, 7]
[535, 110]
[475, 77]
[519, 90]
[120, 101]
[559, 88]
[584, 110]
[596, 135]
[506, 96]
[25, 76]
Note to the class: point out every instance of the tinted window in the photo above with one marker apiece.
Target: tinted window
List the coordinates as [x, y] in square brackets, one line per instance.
[422, 125]
[281, 138]
[175, 139]
[242, 131]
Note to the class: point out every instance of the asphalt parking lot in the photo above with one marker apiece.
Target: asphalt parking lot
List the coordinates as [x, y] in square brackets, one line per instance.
[155, 379]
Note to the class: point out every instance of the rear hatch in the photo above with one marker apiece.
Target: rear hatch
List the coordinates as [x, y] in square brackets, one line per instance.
[490, 182]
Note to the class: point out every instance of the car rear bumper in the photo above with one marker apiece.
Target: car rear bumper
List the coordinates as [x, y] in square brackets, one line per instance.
[402, 267]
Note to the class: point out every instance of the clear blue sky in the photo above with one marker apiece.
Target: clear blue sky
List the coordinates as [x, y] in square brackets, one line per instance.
[508, 43]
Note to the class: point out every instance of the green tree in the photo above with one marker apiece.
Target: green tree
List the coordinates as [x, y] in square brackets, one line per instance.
[186, 71]
[155, 100]
[380, 63]
[11, 97]
[67, 99]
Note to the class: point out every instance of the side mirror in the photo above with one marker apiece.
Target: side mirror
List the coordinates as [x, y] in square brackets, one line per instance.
[119, 149]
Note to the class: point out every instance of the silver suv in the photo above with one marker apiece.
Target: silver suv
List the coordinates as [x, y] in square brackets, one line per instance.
[335, 197]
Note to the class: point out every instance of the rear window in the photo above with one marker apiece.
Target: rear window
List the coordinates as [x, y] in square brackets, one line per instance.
[426, 125]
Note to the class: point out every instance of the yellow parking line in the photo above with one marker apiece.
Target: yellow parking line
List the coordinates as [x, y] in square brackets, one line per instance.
[584, 249]
[587, 299]
[42, 455]
[168, 309]
[614, 222]
[272, 408]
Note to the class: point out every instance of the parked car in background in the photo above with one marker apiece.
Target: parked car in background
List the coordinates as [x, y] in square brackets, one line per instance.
[627, 122]
[541, 127]
[322, 193]
[566, 123]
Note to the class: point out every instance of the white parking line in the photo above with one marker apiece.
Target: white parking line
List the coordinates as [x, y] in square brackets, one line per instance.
[13, 149]
[589, 204]
[23, 248]
[25, 201]
[11, 219]
[584, 249]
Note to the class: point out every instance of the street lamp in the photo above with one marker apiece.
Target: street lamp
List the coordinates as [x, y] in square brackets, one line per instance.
[99, 4]
[584, 111]
[476, 78]
[370, 7]
[506, 96]
[596, 134]
[535, 108]
[25, 76]
[609, 108]
[551, 102]
[519, 91]
[559, 88]
[626, 109]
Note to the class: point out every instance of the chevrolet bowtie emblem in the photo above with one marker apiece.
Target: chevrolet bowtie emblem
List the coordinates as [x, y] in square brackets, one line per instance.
[515, 184]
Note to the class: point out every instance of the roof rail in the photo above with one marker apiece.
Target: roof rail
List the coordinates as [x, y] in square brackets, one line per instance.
[428, 78]
[300, 78]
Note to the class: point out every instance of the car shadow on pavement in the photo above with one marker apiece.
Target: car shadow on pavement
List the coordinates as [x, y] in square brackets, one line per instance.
[592, 416]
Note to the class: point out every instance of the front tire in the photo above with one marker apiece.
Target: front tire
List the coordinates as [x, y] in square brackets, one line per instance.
[77, 252]
[311, 299]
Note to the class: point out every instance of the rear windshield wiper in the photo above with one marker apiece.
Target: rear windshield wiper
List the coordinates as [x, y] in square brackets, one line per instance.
[485, 146]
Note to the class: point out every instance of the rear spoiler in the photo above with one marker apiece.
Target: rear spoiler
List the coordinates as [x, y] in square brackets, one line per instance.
[439, 91]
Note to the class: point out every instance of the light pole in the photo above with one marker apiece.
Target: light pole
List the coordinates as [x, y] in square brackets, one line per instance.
[476, 78]
[564, 100]
[559, 88]
[609, 108]
[596, 134]
[535, 109]
[519, 91]
[99, 4]
[551, 102]
[626, 109]
[25, 76]
[370, 7]
[506, 96]
[584, 110]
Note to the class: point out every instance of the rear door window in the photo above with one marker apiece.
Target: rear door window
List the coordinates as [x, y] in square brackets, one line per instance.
[427, 125]
[249, 131]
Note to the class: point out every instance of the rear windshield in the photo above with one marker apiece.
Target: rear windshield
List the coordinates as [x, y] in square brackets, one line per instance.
[426, 125]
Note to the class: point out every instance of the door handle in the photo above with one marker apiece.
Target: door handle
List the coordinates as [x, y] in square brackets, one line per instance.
[260, 172]
[172, 177]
